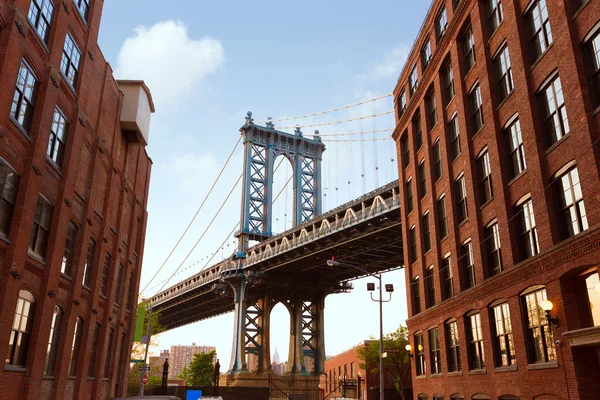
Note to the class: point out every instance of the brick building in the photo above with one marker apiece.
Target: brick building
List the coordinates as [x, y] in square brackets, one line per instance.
[74, 176]
[181, 356]
[345, 367]
[498, 118]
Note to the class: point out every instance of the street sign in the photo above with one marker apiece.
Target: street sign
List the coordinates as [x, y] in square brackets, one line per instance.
[136, 361]
[144, 368]
[144, 379]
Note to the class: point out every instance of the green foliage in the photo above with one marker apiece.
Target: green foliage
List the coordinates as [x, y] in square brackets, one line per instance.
[139, 349]
[397, 362]
[201, 370]
[133, 384]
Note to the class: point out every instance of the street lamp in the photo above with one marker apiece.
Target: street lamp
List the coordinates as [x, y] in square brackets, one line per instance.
[389, 288]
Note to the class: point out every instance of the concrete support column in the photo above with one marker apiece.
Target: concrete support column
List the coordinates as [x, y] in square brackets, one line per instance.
[296, 353]
[238, 351]
[319, 326]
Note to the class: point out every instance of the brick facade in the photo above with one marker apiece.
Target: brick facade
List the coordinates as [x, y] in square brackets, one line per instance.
[99, 185]
[562, 261]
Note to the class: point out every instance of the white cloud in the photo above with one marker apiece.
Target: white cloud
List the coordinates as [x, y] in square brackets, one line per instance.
[390, 65]
[171, 63]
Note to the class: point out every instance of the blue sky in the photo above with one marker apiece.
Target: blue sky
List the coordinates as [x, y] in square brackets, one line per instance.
[207, 63]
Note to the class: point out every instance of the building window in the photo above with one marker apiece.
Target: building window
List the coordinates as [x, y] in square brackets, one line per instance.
[476, 353]
[416, 296]
[448, 79]
[504, 347]
[69, 65]
[539, 26]
[496, 15]
[76, 345]
[429, 288]
[405, 150]
[422, 179]
[526, 223]
[540, 342]
[109, 354]
[9, 185]
[413, 80]
[476, 104]
[418, 131]
[53, 339]
[453, 346]
[468, 265]
[426, 232]
[40, 17]
[93, 351]
[447, 278]
[119, 294]
[41, 227]
[485, 177]
[454, 138]
[556, 123]
[572, 210]
[435, 355]
[437, 161]
[442, 219]
[455, 4]
[18, 343]
[84, 8]
[105, 270]
[66, 267]
[592, 53]
[469, 43]
[461, 199]
[577, 4]
[58, 138]
[516, 149]
[494, 255]
[401, 104]
[426, 54]
[504, 72]
[441, 23]
[431, 109]
[409, 195]
[88, 268]
[421, 368]
[129, 298]
[412, 241]
[23, 102]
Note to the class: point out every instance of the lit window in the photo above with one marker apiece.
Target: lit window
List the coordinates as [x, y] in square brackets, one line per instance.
[447, 278]
[592, 52]
[426, 54]
[40, 17]
[69, 64]
[41, 227]
[529, 239]
[441, 23]
[572, 210]
[461, 199]
[469, 43]
[556, 123]
[421, 368]
[20, 334]
[435, 353]
[426, 232]
[476, 104]
[413, 80]
[58, 137]
[9, 184]
[454, 138]
[53, 338]
[429, 288]
[476, 352]
[84, 7]
[540, 341]
[422, 179]
[66, 267]
[437, 161]
[23, 102]
[442, 219]
[539, 26]
[494, 255]
[75, 347]
[504, 72]
[453, 346]
[468, 265]
[496, 15]
[504, 346]
[88, 268]
[485, 177]
[516, 149]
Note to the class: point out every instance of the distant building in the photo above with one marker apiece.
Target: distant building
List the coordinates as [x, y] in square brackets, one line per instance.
[276, 357]
[181, 356]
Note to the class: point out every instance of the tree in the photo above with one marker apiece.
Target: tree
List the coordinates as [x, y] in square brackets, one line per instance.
[201, 370]
[138, 350]
[397, 362]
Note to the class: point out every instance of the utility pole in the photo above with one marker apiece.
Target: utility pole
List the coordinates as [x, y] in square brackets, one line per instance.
[146, 369]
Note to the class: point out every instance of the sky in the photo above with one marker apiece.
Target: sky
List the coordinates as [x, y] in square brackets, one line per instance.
[207, 64]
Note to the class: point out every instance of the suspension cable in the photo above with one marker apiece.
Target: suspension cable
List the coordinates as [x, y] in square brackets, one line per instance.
[337, 122]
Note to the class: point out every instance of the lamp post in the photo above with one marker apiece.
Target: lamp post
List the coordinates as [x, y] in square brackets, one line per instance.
[389, 288]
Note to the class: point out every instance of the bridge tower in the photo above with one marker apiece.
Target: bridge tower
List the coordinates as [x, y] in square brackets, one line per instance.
[262, 145]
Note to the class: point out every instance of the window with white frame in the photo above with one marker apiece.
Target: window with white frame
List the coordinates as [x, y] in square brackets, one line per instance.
[572, 209]
[556, 123]
[460, 189]
[413, 80]
[454, 132]
[504, 72]
[484, 171]
[476, 106]
[69, 64]
[40, 17]
[528, 243]
[23, 102]
[516, 150]
[441, 23]
[496, 14]
[492, 245]
[469, 48]
[475, 335]
[57, 142]
[468, 265]
[539, 28]
[9, 185]
[504, 346]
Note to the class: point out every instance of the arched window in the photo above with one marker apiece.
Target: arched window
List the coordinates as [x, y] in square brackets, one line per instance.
[75, 347]
[457, 396]
[53, 341]
[20, 334]
[480, 397]
[422, 396]
[9, 183]
[509, 397]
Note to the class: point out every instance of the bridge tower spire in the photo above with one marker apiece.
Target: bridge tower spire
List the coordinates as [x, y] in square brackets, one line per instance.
[262, 145]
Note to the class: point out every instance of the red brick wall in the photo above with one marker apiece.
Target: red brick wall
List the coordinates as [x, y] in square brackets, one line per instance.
[94, 188]
[557, 257]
